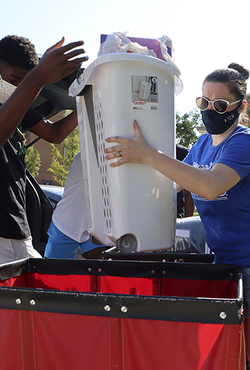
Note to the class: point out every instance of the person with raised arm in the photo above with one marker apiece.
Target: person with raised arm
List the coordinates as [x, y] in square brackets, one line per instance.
[22, 76]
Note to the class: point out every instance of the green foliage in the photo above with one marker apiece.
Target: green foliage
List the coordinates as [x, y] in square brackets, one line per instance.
[61, 162]
[33, 161]
[186, 133]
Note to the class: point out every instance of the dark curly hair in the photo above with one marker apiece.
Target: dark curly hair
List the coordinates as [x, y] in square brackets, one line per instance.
[18, 51]
[234, 76]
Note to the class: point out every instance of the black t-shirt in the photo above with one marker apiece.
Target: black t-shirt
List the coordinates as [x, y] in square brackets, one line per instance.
[181, 153]
[13, 219]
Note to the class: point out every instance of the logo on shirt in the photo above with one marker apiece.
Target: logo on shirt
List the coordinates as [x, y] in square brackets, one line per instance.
[220, 197]
[17, 141]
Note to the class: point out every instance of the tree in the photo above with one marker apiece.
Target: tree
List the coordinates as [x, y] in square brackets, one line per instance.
[186, 133]
[33, 160]
[61, 162]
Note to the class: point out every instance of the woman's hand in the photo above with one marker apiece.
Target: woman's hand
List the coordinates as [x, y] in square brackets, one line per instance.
[129, 150]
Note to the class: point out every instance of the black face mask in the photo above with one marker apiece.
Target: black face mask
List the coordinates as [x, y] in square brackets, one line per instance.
[217, 123]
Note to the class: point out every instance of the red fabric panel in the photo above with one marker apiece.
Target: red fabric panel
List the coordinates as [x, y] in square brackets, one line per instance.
[16, 340]
[41, 340]
[10, 339]
[87, 283]
[198, 288]
[128, 285]
[19, 281]
[79, 283]
[164, 345]
[72, 342]
[167, 287]
[224, 348]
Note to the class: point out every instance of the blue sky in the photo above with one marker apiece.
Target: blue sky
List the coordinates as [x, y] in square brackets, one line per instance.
[206, 35]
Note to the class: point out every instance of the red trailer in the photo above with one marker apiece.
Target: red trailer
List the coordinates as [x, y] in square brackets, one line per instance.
[120, 315]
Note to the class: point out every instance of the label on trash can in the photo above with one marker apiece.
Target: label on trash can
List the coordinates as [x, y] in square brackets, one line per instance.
[144, 92]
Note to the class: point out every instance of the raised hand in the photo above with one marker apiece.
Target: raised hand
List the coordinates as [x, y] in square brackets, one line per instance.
[59, 61]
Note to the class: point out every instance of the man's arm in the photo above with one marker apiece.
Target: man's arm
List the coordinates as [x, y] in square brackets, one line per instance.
[56, 63]
[55, 132]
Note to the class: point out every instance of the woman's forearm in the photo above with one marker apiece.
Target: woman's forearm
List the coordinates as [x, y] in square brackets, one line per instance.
[207, 184]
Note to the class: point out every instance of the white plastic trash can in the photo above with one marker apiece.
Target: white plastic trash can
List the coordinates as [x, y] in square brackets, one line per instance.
[132, 206]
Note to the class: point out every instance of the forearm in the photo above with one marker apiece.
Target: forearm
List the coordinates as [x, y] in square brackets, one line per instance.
[13, 110]
[63, 127]
[56, 132]
[207, 184]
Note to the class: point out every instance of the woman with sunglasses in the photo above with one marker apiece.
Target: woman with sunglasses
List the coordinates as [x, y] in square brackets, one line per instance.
[216, 171]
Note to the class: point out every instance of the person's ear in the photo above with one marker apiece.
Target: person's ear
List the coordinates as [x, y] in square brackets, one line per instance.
[243, 106]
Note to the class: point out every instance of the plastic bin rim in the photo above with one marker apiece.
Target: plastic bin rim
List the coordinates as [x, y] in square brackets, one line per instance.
[76, 88]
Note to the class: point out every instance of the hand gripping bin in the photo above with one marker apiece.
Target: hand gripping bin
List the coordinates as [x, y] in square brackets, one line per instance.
[132, 206]
[120, 315]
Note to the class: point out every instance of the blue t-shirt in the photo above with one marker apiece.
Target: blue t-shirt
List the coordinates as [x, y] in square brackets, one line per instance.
[226, 219]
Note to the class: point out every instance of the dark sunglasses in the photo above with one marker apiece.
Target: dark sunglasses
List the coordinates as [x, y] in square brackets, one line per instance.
[220, 105]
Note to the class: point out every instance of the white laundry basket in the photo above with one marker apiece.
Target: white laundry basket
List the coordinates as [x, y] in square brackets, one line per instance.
[131, 206]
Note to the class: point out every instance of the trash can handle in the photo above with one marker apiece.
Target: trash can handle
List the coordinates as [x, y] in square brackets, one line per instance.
[79, 75]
